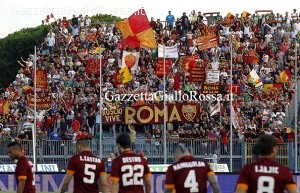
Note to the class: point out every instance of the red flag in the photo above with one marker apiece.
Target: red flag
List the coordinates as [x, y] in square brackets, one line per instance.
[159, 70]
[177, 81]
[130, 41]
[93, 66]
[288, 73]
[117, 79]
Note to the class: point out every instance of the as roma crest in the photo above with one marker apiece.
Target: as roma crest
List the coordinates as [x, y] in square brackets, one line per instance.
[130, 60]
[189, 112]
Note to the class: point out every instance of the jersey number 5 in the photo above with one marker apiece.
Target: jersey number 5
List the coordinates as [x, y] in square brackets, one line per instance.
[265, 184]
[133, 175]
[191, 182]
[89, 172]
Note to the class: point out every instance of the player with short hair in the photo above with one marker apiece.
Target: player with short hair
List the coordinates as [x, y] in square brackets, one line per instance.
[255, 153]
[87, 169]
[24, 170]
[266, 175]
[129, 170]
[188, 174]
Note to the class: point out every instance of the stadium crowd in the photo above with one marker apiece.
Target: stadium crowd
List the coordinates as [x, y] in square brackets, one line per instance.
[74, 113]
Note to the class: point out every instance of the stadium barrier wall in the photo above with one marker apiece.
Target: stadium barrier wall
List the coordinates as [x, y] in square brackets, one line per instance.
[59, 152]
[53, 182]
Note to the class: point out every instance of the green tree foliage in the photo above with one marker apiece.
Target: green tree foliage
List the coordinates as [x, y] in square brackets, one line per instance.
[21, 44]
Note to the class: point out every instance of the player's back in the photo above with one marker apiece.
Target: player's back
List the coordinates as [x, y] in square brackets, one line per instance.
[86, 168]
[25, 171]
[266, 175]
[190, 175]
[129, 169]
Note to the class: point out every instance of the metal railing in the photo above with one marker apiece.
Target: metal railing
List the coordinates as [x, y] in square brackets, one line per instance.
[290, 111]
[59, 152]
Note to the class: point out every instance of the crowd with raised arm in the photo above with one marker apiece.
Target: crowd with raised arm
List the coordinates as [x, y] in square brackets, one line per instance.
[268, 38]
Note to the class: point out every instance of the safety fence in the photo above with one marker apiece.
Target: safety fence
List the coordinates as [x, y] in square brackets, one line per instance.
[59, 152]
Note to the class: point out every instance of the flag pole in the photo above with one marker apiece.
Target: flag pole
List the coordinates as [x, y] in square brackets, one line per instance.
[100, 111]
[296, 108]
[165, 110]
[231, 107]
[220, 113]
[34, 128]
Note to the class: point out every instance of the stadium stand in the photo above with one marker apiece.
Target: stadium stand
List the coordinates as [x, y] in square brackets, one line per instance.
[262, 41]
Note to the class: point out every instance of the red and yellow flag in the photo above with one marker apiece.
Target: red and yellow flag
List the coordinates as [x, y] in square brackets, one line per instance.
[230, 16]
[245, 14]
[269, 87]
[285, 75]
[4, 107]
[137, 31]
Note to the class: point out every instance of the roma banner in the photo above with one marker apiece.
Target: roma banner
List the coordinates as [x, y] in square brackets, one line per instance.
[170, 52]
[207, 30]
[4, 107]
[150, 114]
[206, 42]
[43, 101]
[188, 62]
[93, 66]
[197, 73]
[211, 88]
[212, 76]
[236, 89]
[41, 79]
[113, 116]
[159, 71]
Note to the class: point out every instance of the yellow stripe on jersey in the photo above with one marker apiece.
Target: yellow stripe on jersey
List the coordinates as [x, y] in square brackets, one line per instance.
[70, 172]
[114, 179]
[169, 186]
[22, 177]
[291, 186]
[242, 186]
[210, 173]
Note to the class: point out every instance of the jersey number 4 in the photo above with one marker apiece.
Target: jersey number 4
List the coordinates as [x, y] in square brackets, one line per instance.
[132, 175]
[191, 182]
[89, 172]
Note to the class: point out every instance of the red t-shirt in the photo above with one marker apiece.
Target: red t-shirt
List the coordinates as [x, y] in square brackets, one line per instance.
[188, 175]
[76, 125]
[129, 170]
[265, 175]
[24, 172]
[86, 168]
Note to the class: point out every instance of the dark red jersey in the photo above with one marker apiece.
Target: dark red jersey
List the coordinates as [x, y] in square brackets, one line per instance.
[188, 175]
[129, 169]
[86, 168]
[265, 175]
[24, 171]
